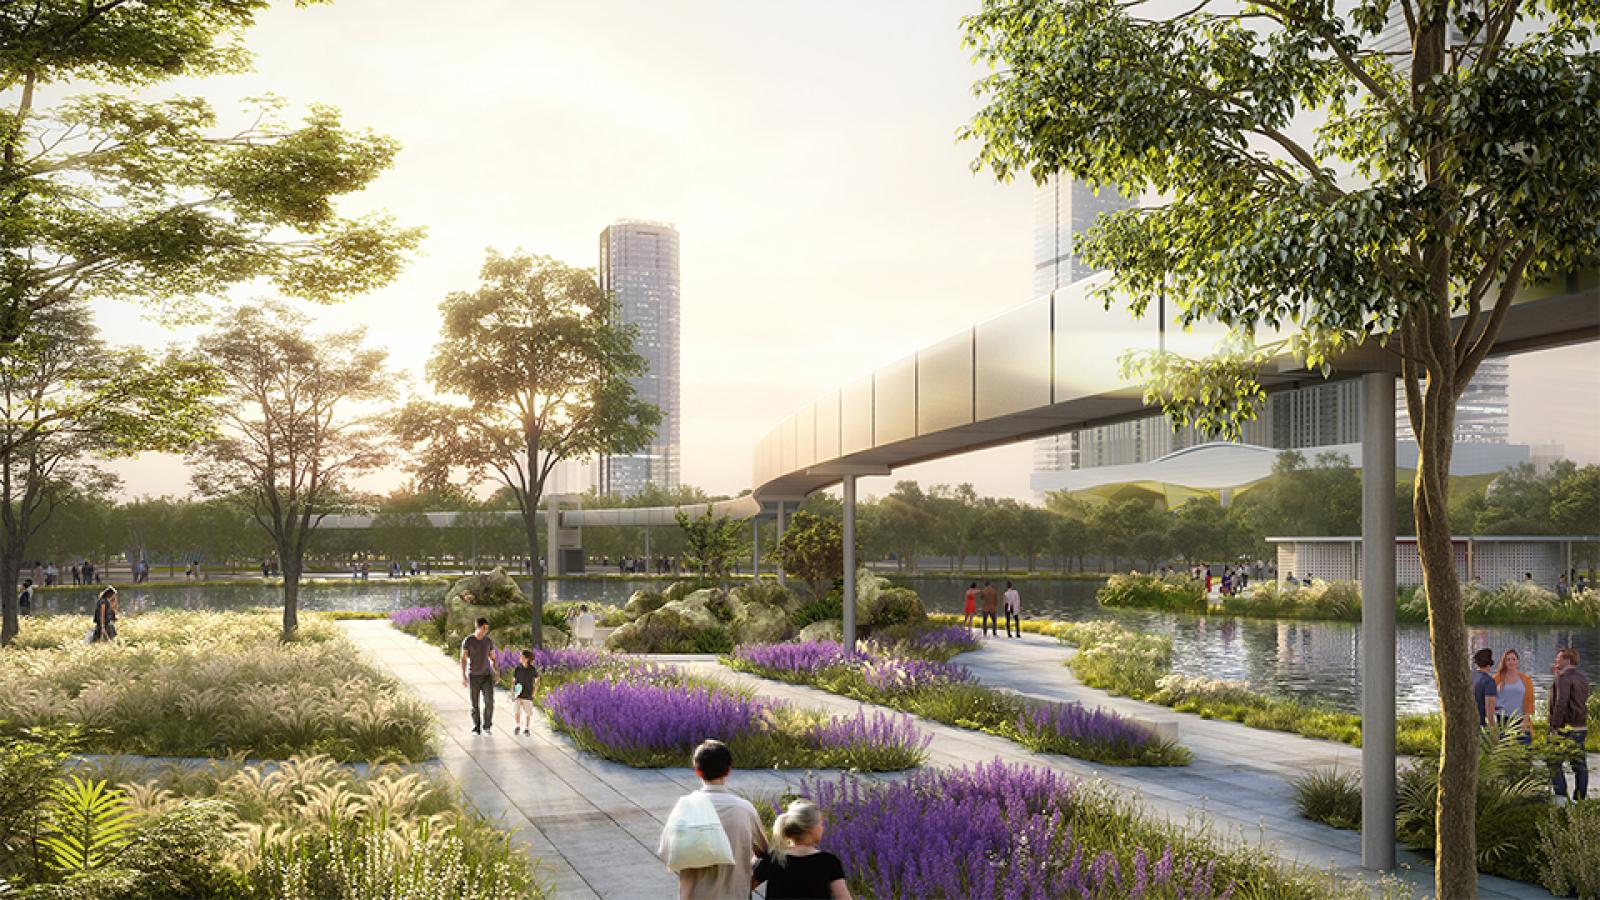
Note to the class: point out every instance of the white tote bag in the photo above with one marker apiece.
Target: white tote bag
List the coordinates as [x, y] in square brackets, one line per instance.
[695, 837]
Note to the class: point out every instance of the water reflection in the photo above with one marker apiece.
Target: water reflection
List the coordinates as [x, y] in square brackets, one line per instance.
[1314, 661]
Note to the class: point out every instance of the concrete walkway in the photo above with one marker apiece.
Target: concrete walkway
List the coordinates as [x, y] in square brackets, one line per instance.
[593, 824]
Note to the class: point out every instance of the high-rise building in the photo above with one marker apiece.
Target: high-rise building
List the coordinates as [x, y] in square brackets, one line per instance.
[639, 267]
[1483, 414]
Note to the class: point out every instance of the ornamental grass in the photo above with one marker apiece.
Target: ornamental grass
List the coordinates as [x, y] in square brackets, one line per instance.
[184, 683]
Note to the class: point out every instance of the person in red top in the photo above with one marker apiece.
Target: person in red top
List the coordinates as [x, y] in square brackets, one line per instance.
[972, 603]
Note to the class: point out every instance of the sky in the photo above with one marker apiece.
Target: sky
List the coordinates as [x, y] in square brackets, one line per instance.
[829, 219]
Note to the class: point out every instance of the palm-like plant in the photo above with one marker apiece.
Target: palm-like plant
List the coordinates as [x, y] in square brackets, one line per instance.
[88, 825]
[1512, 798]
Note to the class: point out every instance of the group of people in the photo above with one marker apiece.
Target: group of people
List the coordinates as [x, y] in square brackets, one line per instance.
[49, 574]
[792, 864]
[1503, 694]
[642, 565]
[989, 601]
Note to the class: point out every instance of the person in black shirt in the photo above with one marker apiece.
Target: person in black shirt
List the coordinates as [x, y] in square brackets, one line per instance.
[105, 616]
[525, 683]
[794, 869]
[25, 599]
[479, 672]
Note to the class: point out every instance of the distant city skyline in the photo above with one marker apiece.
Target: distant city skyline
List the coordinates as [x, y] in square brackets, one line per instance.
[639, 268]
[831, 223]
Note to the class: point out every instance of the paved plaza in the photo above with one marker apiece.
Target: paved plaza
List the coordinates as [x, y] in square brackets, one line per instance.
[593, 824]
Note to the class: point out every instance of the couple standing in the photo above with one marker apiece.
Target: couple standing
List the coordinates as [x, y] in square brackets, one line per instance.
[1504, 697]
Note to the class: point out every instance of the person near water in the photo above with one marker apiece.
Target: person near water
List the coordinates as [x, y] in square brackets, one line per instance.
[1569, 721]
[990, 599]
[105, 616]
[25, 599]
[793, 868]
[1513, 703]
[479, 672]
[740, 822]
[1485, 693]
[1013, 601]
[970, 604]
[525, 682]
[583, 626]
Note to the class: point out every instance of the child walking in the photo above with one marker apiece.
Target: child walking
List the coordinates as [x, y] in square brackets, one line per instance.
[794, 869]
[525, 682]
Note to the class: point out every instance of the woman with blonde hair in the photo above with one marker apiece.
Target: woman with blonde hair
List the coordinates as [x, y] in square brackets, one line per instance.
[1514, 702]
[793, 867]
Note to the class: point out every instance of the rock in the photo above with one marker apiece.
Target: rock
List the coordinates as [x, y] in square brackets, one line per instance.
[679, 590]
[880, 604]
[758, 623]
[643, 602]
[671, 629]
[488, 589]
[765, 592]
[462, 616]
[825, 630]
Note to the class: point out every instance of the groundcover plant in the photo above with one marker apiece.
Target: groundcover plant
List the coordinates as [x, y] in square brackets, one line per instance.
[949, 693]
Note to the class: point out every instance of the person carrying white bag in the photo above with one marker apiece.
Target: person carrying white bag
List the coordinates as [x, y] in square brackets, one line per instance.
[713, 835]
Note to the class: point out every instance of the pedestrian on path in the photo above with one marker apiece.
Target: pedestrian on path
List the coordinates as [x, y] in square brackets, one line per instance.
[105, 617]
[25, 599]
[1013, 610]
[479, 672]
[970, 604]
[525, 682]
[740, 822]
[991, 602]
[794, 869]
[1484, 691]
[583, 627]
[1514, 696]
[1569, 721]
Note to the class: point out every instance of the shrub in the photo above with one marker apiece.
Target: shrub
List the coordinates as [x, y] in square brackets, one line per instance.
[713, 640]
[1175, 593]
[1077, 730]
[1511, 802]
[830, 606]
[1330, 797]
[1340, 600]
[1569, 845]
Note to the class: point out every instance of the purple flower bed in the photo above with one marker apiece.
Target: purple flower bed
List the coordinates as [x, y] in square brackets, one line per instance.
[993, 831]
[413, 616]
[807, 658]
[653, 717]
[1057, 722]
[903, 674]
[880, 730]
[934, 643]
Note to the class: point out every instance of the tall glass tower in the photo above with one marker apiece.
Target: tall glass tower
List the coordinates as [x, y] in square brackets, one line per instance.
[639, 267]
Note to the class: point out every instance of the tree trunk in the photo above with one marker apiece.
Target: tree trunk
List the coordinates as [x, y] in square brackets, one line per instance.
[1455, 853]
[536, 599]
[10, 577]
[291, 593]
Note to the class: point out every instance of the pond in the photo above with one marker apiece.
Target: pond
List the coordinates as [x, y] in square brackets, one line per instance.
[1313, 661]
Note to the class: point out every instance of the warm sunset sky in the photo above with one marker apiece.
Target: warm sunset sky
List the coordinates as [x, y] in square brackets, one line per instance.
[806, 153]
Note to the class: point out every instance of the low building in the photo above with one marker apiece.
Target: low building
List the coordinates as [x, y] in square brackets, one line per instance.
[1491, 559]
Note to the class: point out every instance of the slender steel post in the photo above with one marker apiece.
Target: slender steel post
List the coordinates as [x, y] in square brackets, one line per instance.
[780, 540]
[1377, 621]
[850, 562]
[755, 547]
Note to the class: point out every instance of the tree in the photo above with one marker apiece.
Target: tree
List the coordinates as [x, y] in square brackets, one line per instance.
[1575, 501]
[812, 550]
[65, 398]
[1438, 183]
[290, 439]
[956, 508]
[1033, 532]
[906, 524]
[106, 195]
[535, 364]
[712, 543]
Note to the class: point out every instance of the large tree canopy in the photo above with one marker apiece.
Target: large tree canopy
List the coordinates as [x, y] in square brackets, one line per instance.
[534, 366]
[1387, 171]
[107, 195]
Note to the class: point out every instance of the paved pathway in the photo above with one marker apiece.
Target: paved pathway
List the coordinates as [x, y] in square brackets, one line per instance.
[594, 824]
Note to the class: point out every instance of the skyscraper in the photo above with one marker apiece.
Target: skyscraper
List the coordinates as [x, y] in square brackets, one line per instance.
[639, 266]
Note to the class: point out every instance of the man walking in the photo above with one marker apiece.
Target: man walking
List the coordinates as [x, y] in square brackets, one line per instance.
[1013, 610]
[740, 822]
[990, 604]
[479, 672]
[1569, 721]
[1485, 693]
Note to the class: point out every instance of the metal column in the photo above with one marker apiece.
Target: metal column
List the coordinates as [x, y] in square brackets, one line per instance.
[780, 541]
[849, 485]
[755, 547]
[1377, 621]
[648, 563]
[552, 537]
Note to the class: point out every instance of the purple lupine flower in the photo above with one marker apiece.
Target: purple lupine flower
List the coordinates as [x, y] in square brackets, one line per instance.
[897, 675]
[551, 659]
[992, 831]
[1068, 726]
[807, 657]
[651, 716]
[412, 616]
[881, 731]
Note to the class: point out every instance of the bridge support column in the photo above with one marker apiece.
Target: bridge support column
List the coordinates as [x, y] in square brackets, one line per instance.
[1377, 621]
[849, 485]
[780, 540]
